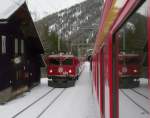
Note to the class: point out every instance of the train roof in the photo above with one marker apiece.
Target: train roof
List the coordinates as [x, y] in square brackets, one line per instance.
[110, 11]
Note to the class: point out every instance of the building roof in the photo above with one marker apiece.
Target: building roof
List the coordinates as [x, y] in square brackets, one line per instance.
[8, 7]
[16, 19]
[15, 14]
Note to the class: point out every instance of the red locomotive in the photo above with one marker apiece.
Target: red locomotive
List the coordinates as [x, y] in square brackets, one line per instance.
[62, 70]
[129, 70]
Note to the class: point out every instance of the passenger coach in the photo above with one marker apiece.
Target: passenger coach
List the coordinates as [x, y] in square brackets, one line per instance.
[121, 59]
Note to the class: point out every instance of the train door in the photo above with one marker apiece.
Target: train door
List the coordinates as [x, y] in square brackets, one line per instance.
[97, 78]
[115, 77]
[130, 65]
[94, 73]
[102, 83]
[98, 89]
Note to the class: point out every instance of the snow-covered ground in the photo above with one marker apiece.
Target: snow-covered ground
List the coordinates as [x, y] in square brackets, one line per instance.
[74, 102]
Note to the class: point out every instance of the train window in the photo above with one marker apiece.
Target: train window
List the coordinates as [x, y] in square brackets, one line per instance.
[98, 83]
[3, 44]
[131, 43]
[16, 46]
[54, 62]
[102, 80]
[130, 60]
[67, 62]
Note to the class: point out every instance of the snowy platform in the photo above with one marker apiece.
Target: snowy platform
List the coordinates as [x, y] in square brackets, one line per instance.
[46, 102]
[135, 103]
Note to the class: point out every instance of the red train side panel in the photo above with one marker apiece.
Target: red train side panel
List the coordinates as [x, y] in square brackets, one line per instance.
[105, 57]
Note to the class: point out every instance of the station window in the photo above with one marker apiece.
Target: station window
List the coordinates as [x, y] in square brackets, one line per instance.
[3, 43]
[16, 46]
[22, 46]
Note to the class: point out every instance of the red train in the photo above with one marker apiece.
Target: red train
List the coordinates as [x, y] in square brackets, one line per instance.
[129, 70]
[63, 70]
[124, 26]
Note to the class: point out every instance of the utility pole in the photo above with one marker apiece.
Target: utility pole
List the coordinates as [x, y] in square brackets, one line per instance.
[58, 44]
[59, 38]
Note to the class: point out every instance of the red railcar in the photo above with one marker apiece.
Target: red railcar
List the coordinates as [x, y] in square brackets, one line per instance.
[124, 25]
[63, 70]
[129, 70]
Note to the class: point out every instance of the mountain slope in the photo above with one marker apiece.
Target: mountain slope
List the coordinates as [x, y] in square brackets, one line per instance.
[76, 24]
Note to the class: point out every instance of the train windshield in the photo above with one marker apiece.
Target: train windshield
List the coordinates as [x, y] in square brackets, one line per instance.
[59, 61]
[67, 62]
[130, 61]
[54, 62]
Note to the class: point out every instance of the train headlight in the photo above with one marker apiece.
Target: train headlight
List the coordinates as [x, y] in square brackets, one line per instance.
[51, 71]
[70, 71]
[135, 71]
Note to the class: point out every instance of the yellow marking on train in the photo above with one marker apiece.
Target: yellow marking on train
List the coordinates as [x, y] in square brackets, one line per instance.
[108, 21]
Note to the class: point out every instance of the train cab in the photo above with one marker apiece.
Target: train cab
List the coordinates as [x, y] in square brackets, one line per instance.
[62, 70]
[129, 69]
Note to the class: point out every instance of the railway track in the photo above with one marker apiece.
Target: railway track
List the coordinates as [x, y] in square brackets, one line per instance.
[30, 105]
[135, 102]
[50, 104]
[139, 93]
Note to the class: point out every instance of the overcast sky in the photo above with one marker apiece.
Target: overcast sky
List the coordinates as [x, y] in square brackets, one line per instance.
[41, 8]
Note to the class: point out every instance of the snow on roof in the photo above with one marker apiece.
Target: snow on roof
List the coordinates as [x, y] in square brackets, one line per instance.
[8, 7]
